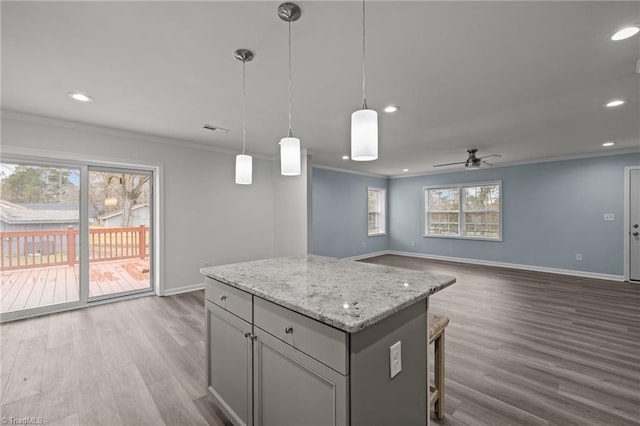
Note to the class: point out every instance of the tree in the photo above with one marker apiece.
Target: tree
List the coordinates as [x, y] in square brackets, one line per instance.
[32, 184]
[114, 193]
[131, 190]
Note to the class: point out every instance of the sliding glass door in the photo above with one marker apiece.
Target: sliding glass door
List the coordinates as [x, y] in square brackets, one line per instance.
[72, 234]
[120, 219]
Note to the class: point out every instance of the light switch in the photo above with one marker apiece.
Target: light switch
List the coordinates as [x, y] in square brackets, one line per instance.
[395, 359]
[608, 217]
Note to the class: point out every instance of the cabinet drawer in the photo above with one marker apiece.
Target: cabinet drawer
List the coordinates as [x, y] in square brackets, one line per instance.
[320, 341]
[236, 301]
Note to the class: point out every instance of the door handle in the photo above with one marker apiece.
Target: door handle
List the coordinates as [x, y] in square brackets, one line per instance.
[635, 225]
[635, 234]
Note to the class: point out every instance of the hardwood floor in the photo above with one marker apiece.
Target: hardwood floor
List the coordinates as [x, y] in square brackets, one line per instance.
[521, 348]
[134, 362]
[534, 348]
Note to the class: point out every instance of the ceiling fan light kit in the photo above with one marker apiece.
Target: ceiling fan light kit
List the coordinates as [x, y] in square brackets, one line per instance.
[473, 162]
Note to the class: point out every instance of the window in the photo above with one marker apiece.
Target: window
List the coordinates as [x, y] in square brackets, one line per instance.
[376, 211]
[464, 211]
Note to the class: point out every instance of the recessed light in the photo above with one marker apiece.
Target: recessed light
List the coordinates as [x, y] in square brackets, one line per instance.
[624, 33]
[345, 157]
[80, 97]
[391, 108]
[615, 102]
[608, 143]
[405, 170]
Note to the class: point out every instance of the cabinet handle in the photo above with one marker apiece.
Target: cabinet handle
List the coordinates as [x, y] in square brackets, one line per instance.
[288, 330]
[247, 334]
[223, 298]
[254, 337]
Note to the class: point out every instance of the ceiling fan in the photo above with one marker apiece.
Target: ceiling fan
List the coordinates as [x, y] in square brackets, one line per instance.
[472, 162]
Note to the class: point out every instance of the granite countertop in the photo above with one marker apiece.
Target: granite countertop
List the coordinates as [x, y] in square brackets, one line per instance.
[345, 294]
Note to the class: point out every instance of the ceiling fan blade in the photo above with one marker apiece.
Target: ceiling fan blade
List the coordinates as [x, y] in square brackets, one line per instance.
[487, 163]
[490, 155]
[450, 164]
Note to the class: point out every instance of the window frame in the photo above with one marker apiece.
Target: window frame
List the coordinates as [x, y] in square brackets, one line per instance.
[461, 211]
[384, 211]
[40, 157]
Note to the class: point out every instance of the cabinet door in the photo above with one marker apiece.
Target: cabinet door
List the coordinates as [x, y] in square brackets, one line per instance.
[229, 363]
[293, 389]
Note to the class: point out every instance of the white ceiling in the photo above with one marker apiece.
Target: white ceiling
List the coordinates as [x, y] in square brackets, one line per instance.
[527, 80]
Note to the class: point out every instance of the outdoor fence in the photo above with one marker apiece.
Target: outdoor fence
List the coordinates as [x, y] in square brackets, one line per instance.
[35, 249]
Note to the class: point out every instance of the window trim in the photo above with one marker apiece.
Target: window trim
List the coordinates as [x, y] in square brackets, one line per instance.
[461, 212]
[384, 214]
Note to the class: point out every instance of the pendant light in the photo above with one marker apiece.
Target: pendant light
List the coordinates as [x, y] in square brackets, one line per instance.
[364, 122]
[244, 163]
[290, 145]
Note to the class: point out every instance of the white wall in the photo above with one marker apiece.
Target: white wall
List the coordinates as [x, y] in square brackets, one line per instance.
[292, 210]
[207, 217]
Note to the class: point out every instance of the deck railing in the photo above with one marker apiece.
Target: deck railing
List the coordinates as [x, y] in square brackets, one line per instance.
[35, 249]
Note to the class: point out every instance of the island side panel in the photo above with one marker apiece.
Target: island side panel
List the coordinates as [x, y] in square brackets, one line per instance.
[376, 398]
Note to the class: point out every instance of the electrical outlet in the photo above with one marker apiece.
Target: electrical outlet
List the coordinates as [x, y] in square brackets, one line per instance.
[364, 245]
[395, 359]
[608, 217]
[413, 243]
[579, 257]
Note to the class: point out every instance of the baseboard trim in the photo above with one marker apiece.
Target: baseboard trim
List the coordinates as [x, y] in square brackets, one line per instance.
[570, 272]
[366, 256]
[185, 289]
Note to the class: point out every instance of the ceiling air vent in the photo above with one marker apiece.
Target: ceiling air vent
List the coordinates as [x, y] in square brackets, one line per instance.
[215, 128]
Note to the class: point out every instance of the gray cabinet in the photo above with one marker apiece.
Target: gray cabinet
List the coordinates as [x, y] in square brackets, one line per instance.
[271, 366]
[273, 378]
[293, 389]
[229, 363]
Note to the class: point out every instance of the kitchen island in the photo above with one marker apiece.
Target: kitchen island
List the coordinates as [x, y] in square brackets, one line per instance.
[313, 340]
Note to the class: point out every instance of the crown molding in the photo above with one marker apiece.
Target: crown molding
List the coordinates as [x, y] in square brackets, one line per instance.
[110, 131]
[353, 172]
[526, 162]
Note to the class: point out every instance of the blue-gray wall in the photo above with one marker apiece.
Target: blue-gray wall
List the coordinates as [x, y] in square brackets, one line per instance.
[551, 212]
[340, 214]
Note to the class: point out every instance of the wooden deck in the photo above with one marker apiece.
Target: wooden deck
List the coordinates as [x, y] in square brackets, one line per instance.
[33, 287]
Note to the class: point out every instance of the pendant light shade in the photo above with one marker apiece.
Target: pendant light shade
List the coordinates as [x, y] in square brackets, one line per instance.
[364, 122]
[244, 162]
[364, 135]
[290, 156]
[244, 169]
[289, 145]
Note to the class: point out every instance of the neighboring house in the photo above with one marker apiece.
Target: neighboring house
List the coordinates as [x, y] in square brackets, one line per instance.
[37, 217]
[139, 216]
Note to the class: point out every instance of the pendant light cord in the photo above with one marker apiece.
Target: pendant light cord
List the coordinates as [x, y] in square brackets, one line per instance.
[364, 60]
[244, 109]
[290, 132]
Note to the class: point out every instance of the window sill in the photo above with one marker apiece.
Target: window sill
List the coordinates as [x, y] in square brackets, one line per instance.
[381, 234]
[459, 237]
